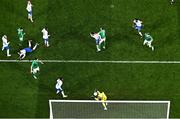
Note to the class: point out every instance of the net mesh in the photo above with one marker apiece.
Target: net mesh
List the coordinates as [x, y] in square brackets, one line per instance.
[115, 110]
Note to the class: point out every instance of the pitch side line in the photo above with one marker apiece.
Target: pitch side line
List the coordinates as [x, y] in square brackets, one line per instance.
[94, 61]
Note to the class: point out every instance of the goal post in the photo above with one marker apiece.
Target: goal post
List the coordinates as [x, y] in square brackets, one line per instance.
[115, 109]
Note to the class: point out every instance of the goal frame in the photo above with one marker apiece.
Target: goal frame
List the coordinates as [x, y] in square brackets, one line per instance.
[112, 101]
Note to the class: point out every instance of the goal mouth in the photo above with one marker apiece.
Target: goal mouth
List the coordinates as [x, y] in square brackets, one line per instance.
[115, 109]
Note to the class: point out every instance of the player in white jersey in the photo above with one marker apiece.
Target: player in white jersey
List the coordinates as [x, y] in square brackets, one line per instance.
[97, 37]
[6, 45]
[29, 10]
[45, 36]
[138, 25]
[59, 88]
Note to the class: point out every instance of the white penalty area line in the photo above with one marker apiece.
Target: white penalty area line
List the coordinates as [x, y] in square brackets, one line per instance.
[93, 61]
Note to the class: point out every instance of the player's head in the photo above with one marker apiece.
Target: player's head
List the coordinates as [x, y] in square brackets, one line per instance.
[5, 36]
[36, 58]
[96, 93]
[60, 78]
[46, 28]
[135, 20]
[101, 28]
[29, 2]
[92, 33]
[146, 34]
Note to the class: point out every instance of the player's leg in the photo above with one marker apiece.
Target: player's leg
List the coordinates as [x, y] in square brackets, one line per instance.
[145, 42]
[150, 45]
[29, 43]
[138, 28]
[98, 45]
[34, 76]
[64, 96]
[104, 43]
[57, 91]
[104, 105]
[34, 48]
[2, 48]
[98, 48]
[46, 42]
[22, 54]
[30, 16]
[7, 51]
[139, 31]
[62, 92]
[8, 54]
[20, 39]
[35, 72]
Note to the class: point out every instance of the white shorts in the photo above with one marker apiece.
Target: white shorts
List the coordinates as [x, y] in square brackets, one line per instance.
[23, 51]
[102, 40]
[34, 71]
[21, 39]
[147, 42]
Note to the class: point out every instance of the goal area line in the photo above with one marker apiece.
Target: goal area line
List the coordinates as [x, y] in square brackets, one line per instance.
[94, 61]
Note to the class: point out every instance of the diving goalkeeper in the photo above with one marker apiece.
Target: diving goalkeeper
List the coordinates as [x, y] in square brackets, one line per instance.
[101, 96]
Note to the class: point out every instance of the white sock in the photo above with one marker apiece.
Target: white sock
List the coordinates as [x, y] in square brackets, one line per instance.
[47, 43]
[57, 91]
[140, 34]
[62, 92]
[8, 53]
[97, 46]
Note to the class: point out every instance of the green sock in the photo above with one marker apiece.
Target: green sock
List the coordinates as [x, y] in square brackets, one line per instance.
[35, 75]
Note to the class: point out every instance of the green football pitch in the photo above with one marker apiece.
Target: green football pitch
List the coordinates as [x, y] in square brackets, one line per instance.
[69, 23]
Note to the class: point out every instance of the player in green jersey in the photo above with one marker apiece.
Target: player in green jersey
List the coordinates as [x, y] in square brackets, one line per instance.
[21, 34]
[172, 1]
[35, 67]
[102, 34]
[148, 40]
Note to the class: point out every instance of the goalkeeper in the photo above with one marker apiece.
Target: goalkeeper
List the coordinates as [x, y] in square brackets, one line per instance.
[101, 96]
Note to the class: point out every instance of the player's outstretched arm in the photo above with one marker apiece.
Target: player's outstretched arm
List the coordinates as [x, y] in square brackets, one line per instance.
[91, 35]
[40, 61]
[31, 69]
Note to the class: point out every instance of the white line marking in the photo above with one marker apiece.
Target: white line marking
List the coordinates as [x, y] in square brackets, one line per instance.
[94, 61]
[114, 101]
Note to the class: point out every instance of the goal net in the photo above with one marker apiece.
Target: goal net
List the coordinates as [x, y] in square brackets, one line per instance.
[115, 109]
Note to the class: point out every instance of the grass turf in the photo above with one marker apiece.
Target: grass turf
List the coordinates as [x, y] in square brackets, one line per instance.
[70, 23]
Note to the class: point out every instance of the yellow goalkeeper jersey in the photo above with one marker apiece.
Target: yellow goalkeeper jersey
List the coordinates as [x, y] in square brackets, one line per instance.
[102, 96]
